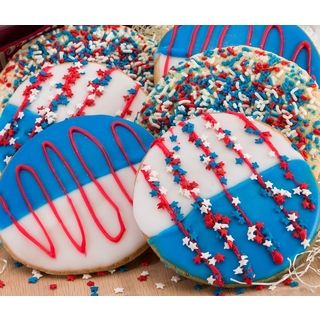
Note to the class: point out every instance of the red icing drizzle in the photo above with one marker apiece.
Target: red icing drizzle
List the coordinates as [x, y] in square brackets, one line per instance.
[209, 216]
[307, 203]
[49, 249]
[173, 38]
[303, 45]
[129, 100]
[193, 40]
[88, 102]
[266, 34]
[165, 205]
[301, 232]
[217, 172]
[207, 39]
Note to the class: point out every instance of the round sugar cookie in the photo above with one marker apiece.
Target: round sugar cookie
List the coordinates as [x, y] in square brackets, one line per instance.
[241, 79]
[115, 46]
[63, 91]
[226, 200]
[290, 42]
[66, 196]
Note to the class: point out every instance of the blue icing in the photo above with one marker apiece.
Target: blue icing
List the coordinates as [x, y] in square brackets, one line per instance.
[31, 154]
[169, 242]
[237, 35]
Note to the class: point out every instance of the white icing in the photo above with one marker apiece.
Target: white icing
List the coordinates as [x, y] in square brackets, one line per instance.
[150, 219]
[160, 62]
[110, 103]
[100, 251]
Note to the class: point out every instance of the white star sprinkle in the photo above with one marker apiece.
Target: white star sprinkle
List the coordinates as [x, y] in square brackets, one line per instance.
[118, 290]
[269, 184]
[220, 135]
[236, 201]
[306, 192]
[305, 243]
[208, 125]
[217, 126]
[86, 276]
[267, 243]
[230, 238]
[163, 190]
[204, 209]
[160, 285]
[290, 227]
[206, 160]
[237, 147]
[226, 246]
[7, 159]
[38, 129]
[211, 280]
[297, 190]
[212, 261]
[254, 177]
[185, 241]
[144, 273]
[238, 270]
[292, 216]
[20, 115]
[192, 246]
[206, 202]
[175, 279]
[12, 141]
[205, 255]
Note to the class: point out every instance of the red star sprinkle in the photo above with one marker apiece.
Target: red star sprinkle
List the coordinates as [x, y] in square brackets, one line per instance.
[71, 277]
[90, 283]
[142, 278]
[53, 286]
[2, 284]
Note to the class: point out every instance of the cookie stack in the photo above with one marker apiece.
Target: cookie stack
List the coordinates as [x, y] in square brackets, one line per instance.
[205, 147]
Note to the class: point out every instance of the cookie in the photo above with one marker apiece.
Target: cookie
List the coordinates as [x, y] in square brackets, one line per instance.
[62, 91]
[223, 198]
[115, 46]
[66, 196]
[246, 80]
[290, 42]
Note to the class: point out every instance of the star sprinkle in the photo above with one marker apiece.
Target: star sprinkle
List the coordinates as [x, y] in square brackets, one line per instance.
[238, 270]
[205, 255]
[267, 243]
[269, 184]
[7, 159]
[211, 280]
[118, 290]
[290, 227]
[306, 192]
[175, 278]
[86, 276]
[292, 216]
[236, 201]
[297, 190]
[253, 177]
[305, 243]
[160, 285]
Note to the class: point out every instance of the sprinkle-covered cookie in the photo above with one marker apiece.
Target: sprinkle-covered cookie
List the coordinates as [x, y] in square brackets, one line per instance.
[66, 197]
[115, 46]
[225, 199]
[290, 42]
[242, 79]
[63, 91]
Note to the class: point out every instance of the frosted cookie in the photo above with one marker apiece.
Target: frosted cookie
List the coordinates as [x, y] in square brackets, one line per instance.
[115, 46]
[62, 91]
[226, 200]
[241, 79]
[290, 42]
[66, 196]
